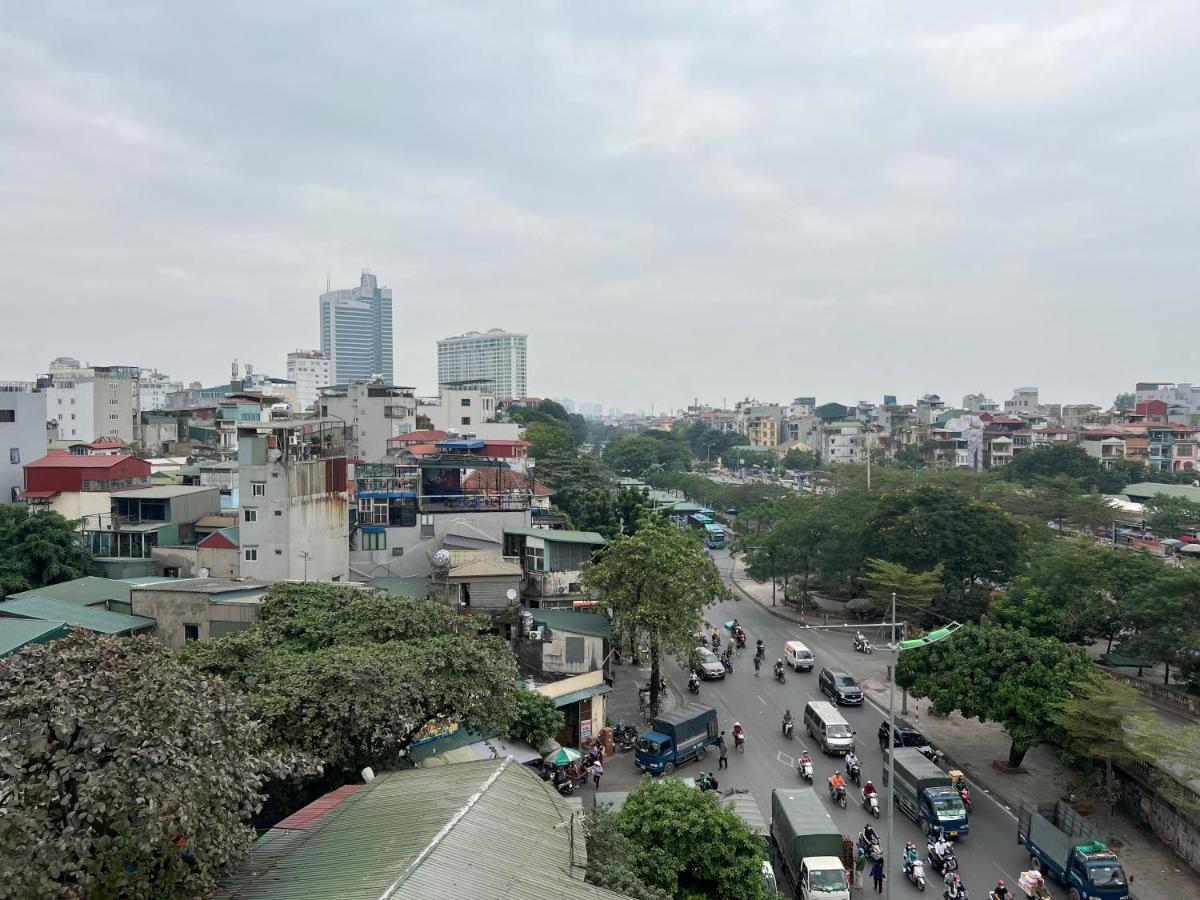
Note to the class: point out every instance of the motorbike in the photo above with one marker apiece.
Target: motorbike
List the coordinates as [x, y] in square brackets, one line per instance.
[942, 866]
[694, 685]
[779, 676]
[870, 848]
[728, 664]
[915, 874]
[854, 771]
[838, 795]
[741, 640]
[703, 639]
[956, 891]
[965, 793]
[805, 768]
[739, 742]
[863, 646]
[788, 726]
[870, 802]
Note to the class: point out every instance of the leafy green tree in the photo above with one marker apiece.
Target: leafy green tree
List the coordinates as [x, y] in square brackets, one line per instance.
[545, 439]
[658, 581]
[1058, 459]
[1171, 516]
[631, 505]
[998, 674]
[817, 539]
[914, 591]
[1055, 497]
[1165, 617]
[687, 845]
[536, 719]
[36, 550]
[125, 773]
[909, 457]
[1125, 401]
[798, 460]
[352, 677]
[613, 858]
[1093, 511]
[640, 454]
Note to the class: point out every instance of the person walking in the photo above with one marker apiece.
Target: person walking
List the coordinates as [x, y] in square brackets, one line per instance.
[757, 665]
[877, 875]
[597, 771]
[723, 760]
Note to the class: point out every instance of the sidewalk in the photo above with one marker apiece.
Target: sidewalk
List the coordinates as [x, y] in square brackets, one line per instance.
[620, 774]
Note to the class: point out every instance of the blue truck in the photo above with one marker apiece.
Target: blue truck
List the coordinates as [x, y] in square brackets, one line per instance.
[1067, 847]
[925, 794]
[676, 737]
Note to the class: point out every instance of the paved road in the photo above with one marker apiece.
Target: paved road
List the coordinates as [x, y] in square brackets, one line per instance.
[990, 851]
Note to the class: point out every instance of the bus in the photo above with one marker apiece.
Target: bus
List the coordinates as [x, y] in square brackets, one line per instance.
[699, 521]
[714, 538]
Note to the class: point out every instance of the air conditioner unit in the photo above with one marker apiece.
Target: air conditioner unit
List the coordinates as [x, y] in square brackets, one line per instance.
[535, 634]
[562, 588]
[397, 551]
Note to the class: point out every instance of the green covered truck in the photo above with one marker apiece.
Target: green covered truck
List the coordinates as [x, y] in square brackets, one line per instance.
[808, 844]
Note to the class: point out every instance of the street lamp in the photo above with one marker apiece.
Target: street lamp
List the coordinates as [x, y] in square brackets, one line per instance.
[896, 648]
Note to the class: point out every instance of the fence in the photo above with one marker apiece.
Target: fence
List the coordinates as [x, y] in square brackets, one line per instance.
[1159, 692]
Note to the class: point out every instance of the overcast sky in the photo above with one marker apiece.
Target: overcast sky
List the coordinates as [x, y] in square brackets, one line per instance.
[672, 199]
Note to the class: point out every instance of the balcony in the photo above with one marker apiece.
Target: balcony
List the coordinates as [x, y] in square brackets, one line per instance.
[435, 503]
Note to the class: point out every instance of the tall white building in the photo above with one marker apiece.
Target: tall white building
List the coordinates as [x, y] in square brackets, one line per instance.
[356, 331]
[22, 434]
[311, 371]
[153, 388]
[93, 401]
[496, 356]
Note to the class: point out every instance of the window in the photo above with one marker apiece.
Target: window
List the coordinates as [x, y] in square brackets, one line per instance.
[250, 554]
[374, 540]
[14, 454]
[258, 489]
[250, 515]
[466, 420]
[191, 632]
[574, 650]
[465, 401]
[535, 558]
[278, 513]
[279, 553]
[8, 415]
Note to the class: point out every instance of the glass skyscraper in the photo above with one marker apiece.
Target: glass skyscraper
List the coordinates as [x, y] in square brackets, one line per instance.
[356, 331]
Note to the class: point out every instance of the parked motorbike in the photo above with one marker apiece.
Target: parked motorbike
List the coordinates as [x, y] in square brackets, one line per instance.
[870, 802]
[838, 795]
[854, 772]
[788, 726]
[915, 874]
[805, 768]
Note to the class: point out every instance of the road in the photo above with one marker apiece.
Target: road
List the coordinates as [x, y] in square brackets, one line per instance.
[989, 853]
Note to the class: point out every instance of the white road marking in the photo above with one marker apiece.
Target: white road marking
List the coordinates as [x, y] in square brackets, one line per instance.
[761, 700]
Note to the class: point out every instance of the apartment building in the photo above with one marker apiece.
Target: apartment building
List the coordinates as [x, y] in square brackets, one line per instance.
[374, 411]
[311, 371]
[496, 355]
[22, 434]
[153, 389]
[94, 401]
[843, 442]
[1024, 402]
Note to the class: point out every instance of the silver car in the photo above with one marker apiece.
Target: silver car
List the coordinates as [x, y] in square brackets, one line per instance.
[708, 666]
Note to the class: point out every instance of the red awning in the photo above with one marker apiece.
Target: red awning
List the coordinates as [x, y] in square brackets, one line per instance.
[39, 495]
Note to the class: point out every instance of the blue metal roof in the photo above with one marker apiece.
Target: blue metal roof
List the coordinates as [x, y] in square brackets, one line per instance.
[460, 444]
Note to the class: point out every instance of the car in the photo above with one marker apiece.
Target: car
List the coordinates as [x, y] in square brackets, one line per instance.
[798, 656]
[708, 667]
[840, 687]
[906, 736]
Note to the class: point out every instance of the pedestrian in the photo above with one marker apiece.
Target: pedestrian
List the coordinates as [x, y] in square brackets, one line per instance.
[597, 771]
[877, 875]
[757, 665]
[723, 761]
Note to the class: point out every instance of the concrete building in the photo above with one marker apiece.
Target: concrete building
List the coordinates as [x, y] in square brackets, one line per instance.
[374, 411]
[77, 487]
[562, 642]
[1105, 444]
[843, 442]
[140, 519]
[1172, 393]
[295, 513]
[217, 554]
[356, 331]
[153, 389]
[311, 371]
[22, 434]
[761, 423]
[94, 401]
[467, 407]
[194, 609]
[552, 562]
[497, 356]
[1024, 402]
[977, 403]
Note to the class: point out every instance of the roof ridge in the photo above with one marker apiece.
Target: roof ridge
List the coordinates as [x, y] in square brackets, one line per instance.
[444, 831]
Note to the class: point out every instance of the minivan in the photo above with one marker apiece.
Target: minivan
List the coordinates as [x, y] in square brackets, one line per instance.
[826, 726]
[798, 656]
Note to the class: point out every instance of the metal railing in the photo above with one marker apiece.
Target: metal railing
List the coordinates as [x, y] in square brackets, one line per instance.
[474, 503]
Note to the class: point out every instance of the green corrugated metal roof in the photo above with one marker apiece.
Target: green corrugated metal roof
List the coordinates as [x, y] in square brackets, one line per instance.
[485, 830]
[16, 633]
[582, 694]
[84, 591]
[1149, 488]
[569, 620]
[93, 619]
[415, 586]
[563, 537]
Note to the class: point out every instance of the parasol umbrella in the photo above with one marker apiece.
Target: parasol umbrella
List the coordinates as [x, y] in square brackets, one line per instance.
[563, 756]
[1190, 549]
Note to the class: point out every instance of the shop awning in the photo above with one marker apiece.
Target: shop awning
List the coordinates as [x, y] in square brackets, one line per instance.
[576, 696]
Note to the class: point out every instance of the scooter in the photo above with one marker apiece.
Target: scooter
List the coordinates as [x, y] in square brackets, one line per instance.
[739, 743]
[805, 768]
[788, 726]
[728, 664]
[942, 866]
[838, 795]
[871, 849]
[956, 890]
[854, 771]
[779, 676]
[870, 802]
[693, 686]
[915, 874]
[863, 646]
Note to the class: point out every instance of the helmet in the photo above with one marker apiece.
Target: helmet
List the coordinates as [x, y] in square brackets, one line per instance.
[868, 784]
[779, 661]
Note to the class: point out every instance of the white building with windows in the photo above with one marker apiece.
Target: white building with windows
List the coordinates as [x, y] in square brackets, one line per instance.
[497, 356]
[356, 331]
[843, 442]
[93, 402]
[153, 388]
[311, 371]
[22, 434]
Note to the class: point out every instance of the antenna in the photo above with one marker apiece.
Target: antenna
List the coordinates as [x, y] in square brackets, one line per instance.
[328, 282]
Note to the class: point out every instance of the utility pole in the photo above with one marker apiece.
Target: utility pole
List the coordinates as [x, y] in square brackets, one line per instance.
[306, 556]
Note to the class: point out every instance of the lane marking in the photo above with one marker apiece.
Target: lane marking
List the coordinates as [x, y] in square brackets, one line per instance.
[761, 700]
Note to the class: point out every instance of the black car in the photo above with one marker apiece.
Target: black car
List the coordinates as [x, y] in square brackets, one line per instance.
[906, 736]
[840, 687]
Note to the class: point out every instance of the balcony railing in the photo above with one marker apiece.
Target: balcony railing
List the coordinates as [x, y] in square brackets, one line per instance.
[474, 503]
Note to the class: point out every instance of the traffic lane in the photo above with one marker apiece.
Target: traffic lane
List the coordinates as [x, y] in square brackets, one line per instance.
[989, 853]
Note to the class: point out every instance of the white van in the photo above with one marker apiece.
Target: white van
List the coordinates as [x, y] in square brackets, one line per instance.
[826, 726]
[798, 656]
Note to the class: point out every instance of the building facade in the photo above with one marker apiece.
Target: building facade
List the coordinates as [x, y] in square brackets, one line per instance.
[374, 410]
[311, 371]
[92, 402]
[356, 331]
[153, 389]
[497, 356]
[22, 434]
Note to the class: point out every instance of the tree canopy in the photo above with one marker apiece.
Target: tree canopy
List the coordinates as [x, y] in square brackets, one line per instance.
[1170, 517]
[1064, 459]
[640, 454]
[914, 591]
[123, 773]
[998, 674]
[546, 438]
[679, 842]
[39, 549]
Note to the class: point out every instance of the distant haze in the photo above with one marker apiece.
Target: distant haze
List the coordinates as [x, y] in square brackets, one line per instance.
[672, 199]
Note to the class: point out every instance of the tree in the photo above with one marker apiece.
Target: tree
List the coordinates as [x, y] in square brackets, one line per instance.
[640, 454]
[1058, 459]
[998, 674]
[659, 581]
[1125, 401]
[1170, 516]
[353, 678]
[612, 858]
[909, 457]
[125, 774]
[1165, 617]
[1054, 497]
[684, 843]
[545, 439]
[914, 591]
[536, 718]
[801, 460]
[36, 550]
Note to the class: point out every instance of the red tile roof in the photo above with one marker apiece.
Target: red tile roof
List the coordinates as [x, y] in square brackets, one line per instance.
[1009, 420]
[104, 443]
[72, 461]
[1054, 429]
[501, 480]
[419, 437]
[1103, 433]
[315, 811]
[421, 449]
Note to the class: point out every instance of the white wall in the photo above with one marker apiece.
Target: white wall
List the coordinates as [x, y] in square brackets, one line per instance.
[21, 441]
[72, 405]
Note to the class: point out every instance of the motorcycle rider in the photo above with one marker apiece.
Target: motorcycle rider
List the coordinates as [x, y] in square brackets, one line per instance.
[804, 758]
[910, 854]
[740, 635]
[739, 733]
[869, 790]
[694, 683]
[836, 783]
[869, 835]
[851, 761]
[954, 885]
[941, 850]
[760, 649]
[778, 667]
[1000, 892]
[787, 719]
[860, 640]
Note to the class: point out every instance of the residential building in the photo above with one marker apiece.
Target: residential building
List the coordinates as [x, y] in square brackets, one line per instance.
[311, 371]
[216, 554]
[1172, 447]
[194, 609]
[802, 406]
[562, 641]
[843, 442]
[1150, 412]
[22, 434]
[77, 487]
[374, 411]
[977, 403]
[140, 519]
[94, 401]
[483, 829]
[959, 443]
[1079, 416]
[1173, 394]
[497, 356]
[461, 406]
[1105, 444]
[1052, 435]
[153, 389]
[1024, 402]
[218, 473]
[158, 433]
[552, 562]
[356, 331]
[295, 512]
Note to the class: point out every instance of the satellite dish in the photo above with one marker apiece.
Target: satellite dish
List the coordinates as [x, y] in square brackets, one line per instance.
[510, 594]
[203, 573]
[442, 557]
